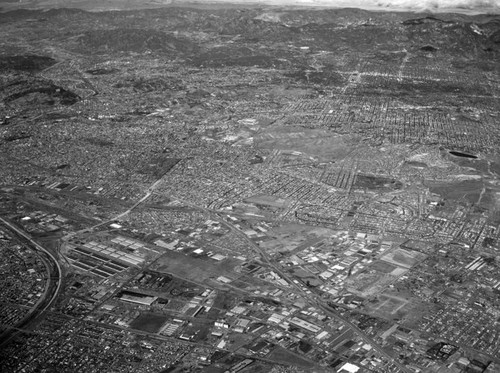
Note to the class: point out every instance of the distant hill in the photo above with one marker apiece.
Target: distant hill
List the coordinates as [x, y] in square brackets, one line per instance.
[434, 6]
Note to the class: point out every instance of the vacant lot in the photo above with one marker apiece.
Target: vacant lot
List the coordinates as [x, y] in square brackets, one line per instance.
[149, 322]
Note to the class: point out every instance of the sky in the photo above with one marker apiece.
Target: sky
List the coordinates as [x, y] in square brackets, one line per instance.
[461, 6]
[437, 5]
[434, 6]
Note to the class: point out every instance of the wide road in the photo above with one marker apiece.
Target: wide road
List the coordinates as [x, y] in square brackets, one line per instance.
[313, 300]
[148, 194]
[54, 279]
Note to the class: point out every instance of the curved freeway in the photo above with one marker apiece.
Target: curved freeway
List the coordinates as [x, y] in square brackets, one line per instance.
[45, 303]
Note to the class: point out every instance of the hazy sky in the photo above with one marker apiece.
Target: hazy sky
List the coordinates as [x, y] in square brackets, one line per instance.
[436, 6]
[439, 4]
[465, 6]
